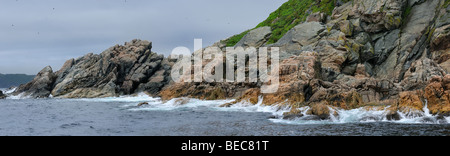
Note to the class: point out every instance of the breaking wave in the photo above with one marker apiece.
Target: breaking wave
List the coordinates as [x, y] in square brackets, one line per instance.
[141, 97]
[338, 116]
[360, 115]
[365, 115]
[9, 92]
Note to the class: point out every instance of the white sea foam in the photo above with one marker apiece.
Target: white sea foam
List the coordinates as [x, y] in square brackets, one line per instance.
[155, 104]
[7, 91]
[246, 106]
[17, 97]
[177, 103]
[141, 97]
[360, 115]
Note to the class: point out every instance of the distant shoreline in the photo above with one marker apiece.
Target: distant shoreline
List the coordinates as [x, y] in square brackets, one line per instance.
[14, 80]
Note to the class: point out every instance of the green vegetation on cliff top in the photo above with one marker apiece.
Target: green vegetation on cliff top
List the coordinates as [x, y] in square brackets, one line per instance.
[287, 16]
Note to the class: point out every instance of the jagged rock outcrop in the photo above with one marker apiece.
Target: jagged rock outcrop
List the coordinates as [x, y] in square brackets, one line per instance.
[435, 96]
[255, 38]
[379, 15]
[158, 80]
[411, 104]
[119, 70]
[300, 36]
[40, 86]
[321, 110]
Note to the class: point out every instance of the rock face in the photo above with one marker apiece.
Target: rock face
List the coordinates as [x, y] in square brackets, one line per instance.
[367, 53]
[301, 35]
[40, 86]
[119, 70]
[321, 110]
[436, 96]
[255, 38]
[379, 15]
[410, 43]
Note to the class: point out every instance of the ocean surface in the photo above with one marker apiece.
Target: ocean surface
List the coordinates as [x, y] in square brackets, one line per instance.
[120, 116]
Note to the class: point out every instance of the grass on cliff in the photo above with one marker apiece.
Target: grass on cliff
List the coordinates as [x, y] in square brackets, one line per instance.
[287, 16]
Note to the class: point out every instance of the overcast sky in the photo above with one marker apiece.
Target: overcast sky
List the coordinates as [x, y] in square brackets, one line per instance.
[37, 33]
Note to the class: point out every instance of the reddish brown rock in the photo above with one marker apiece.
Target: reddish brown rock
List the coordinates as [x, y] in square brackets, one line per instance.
[293, 114]
[410, 103]
[438, 99]
[346, 100]
[300, 67]
[446, 82]
[252, 95]
[321, 110]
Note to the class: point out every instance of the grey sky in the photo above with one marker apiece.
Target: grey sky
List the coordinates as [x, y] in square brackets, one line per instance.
[37, 33]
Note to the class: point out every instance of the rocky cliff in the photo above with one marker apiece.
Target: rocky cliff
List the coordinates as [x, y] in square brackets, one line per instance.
[119, 70]
[362, 53]
[366, 53]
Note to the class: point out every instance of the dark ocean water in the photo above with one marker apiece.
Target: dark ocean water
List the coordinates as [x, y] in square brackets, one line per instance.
[121, 117]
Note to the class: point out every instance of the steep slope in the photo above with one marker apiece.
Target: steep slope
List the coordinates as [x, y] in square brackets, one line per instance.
[287, 16]
[373, 53]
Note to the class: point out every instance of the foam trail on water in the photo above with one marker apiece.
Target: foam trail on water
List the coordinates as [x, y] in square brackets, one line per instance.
[246, 106]
[141, 97]
[337, 116]
[10, 96]
[179, 103]
[214, 105]
[17, 97]
[364, 115]
[426, 110]
[9, 91]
